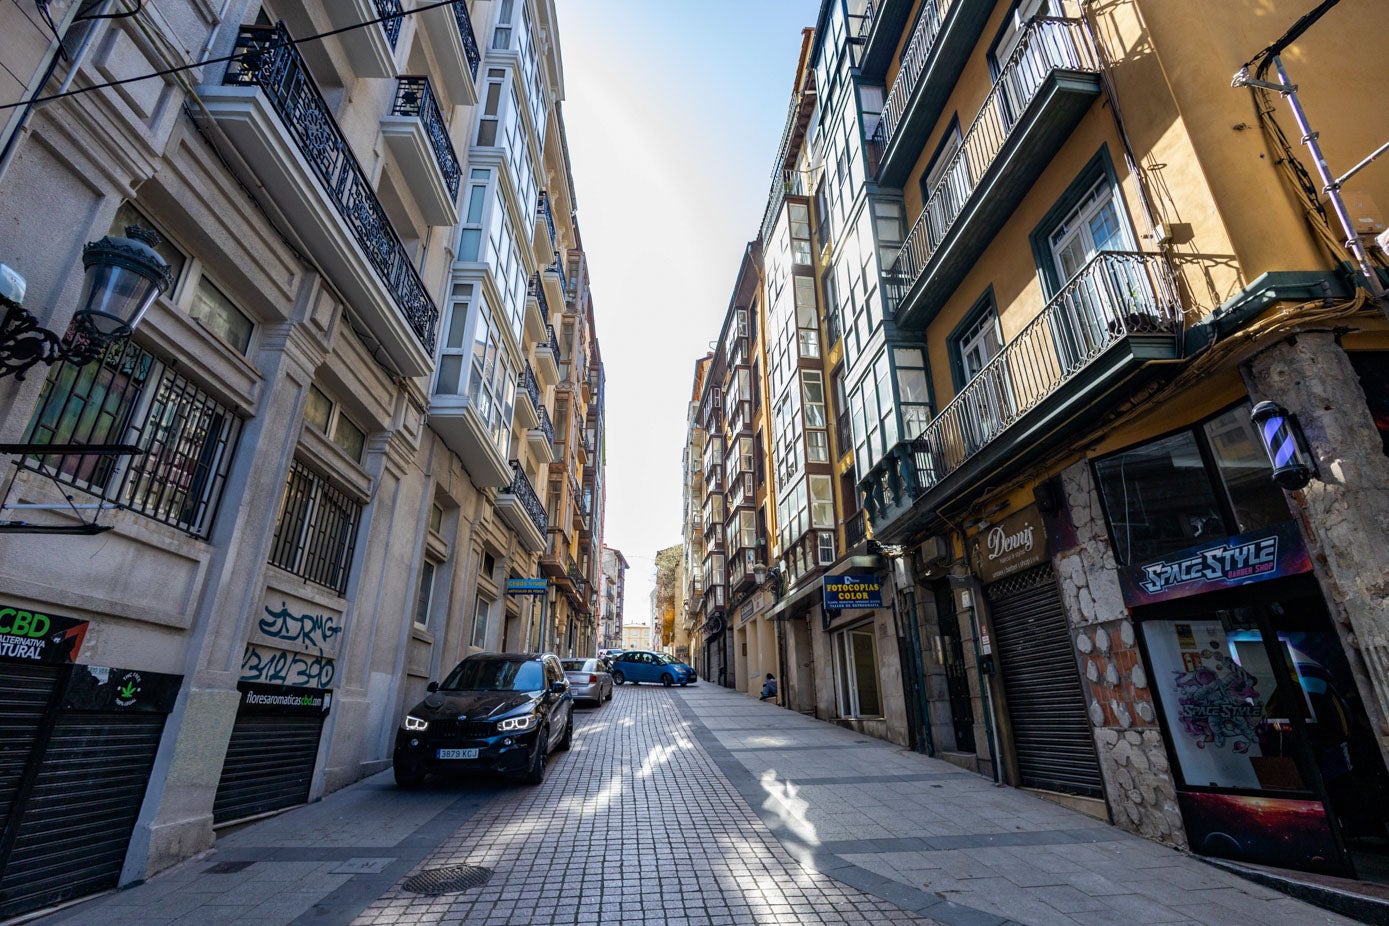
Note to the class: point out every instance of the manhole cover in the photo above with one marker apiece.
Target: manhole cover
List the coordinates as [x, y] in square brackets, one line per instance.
[227, 868]
[448, 880]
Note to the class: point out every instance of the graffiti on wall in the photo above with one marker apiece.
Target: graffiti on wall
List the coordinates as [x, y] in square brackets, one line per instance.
[278, 667]
[314, 630]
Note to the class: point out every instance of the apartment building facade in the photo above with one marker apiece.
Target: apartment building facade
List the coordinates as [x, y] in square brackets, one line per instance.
[299, 490]
[1068, 264]
[612, 598]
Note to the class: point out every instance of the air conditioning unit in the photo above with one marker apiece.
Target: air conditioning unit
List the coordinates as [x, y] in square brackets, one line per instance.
[933, 553]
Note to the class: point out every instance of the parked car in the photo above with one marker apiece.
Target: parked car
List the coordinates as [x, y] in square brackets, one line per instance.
[504, 712]
[642, 666]
[589, 679]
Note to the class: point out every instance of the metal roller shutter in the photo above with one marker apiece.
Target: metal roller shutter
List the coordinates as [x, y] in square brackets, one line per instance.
[1051, 730]
[25, 693]
[77, 820]
[269, 764]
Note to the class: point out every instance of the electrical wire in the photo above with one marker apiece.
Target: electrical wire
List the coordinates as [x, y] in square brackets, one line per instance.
[239, 56]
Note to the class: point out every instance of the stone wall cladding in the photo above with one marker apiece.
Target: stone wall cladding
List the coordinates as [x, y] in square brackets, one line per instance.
[1346, 504]
[1138, 781]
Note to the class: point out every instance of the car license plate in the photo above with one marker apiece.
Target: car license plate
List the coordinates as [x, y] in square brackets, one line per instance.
[457, 753]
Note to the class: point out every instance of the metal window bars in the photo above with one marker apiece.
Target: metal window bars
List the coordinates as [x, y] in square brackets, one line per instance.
[317, 530]
[184, 437]
[269, 61]
[415, 97]
[1046, 45]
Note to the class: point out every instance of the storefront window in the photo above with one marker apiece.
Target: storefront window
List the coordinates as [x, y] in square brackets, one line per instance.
[1189, 488]
[855, 653]
[1159, 498]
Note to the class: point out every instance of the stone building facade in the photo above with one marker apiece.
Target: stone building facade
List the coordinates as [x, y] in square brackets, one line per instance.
[333, 432]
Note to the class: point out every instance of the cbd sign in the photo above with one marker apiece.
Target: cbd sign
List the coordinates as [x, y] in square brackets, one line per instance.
[21, 623]
[32, 636]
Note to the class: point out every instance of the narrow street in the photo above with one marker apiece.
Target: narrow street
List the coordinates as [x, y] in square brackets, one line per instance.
[698, 806]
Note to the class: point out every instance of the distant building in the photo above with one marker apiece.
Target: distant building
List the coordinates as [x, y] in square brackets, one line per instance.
[636, 636]
[612, 596]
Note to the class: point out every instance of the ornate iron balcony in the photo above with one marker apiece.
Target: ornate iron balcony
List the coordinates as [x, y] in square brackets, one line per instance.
[537, 292]
[576, 576]
[1116, 296]
[525, 493]
[414, 97]
[390, 26]
[1047, 45]
[913, 62]
[272, 64]
[557, 268]
[528, 384]
[553, 341]
[545, 424]
[465, 32]
[542, 208]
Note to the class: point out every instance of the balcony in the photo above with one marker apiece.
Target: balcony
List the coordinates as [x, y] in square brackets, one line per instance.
[537, 309]
[521, 509]
[528, 402]
[547, 359]
[1049, 383]
[544, 240]
[449, 31]
[556, 561]
[370, 48]
[1044, 90]
[416, 135]
[554, 281]
[541, 438]
[282, 130]
[879, 29]
[946, 32]
[576, 576]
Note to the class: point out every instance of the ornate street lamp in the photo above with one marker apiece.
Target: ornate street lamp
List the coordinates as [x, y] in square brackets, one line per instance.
[1293, 464]
[123, 277]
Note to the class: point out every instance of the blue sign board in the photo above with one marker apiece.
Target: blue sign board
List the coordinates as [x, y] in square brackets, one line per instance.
[526, 586]
[842, 592]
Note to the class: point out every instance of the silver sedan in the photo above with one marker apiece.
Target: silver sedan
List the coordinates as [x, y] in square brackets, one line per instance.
[588, 680]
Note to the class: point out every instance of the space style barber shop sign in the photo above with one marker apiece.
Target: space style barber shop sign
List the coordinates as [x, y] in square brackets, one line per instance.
[1256, 556]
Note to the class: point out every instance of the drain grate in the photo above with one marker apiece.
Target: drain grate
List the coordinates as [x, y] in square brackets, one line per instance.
[227, 868]
[448, 880]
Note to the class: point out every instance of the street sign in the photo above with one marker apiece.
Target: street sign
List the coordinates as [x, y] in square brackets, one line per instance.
[526, 586]
[844, 592]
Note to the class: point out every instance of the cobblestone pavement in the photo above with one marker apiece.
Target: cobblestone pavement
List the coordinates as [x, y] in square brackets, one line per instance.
[635, 825]
[699, 807]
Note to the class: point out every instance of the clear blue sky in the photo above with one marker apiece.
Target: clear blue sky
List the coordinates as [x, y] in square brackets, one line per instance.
[673, 110]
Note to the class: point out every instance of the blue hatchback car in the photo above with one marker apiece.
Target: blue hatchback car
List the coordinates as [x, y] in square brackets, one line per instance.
[642, 666]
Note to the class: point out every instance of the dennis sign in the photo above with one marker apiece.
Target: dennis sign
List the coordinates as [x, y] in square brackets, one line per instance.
[1016, 543]
[853, 592]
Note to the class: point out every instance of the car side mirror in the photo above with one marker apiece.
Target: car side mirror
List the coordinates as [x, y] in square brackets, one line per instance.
[432, 687]
[559, 687]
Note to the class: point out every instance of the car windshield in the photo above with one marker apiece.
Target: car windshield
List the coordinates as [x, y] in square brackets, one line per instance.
[496, 675]
[668, 660]
[577, 665]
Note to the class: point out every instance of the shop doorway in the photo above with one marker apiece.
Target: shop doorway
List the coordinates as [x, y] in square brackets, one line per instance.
[952, 658]
[1275, 758]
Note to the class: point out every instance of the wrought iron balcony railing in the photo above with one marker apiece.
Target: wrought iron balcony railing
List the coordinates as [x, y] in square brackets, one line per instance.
[415, 97]
[525, 493]
[576, 575]
[545, 426]
[855, 529]
[542, 209]
[271, 62]
[552, 342]
[1046, 45]
[465, 33]
[1116, 295]
[530, 387]
[913, 62]
[391, 26]
[557, 268]
[537, 292]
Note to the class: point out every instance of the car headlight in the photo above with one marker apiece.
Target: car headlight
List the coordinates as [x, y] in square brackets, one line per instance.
[516, 724]
[414, 724]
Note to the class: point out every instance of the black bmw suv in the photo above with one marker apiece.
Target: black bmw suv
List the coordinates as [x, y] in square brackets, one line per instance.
[499, 711]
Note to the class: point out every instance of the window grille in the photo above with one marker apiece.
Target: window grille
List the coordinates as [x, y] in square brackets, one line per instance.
[131, 398]
[316, 531]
